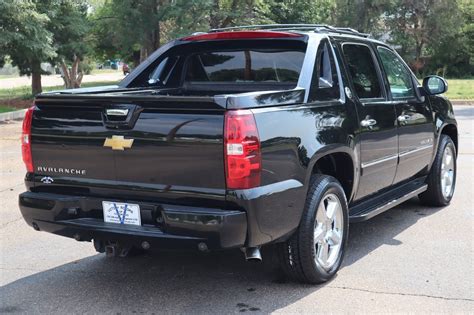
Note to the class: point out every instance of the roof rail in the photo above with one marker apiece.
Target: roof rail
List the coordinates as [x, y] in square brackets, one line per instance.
[317, 28]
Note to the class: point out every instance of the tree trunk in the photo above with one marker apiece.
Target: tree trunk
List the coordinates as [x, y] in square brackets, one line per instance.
[214, 18]
[152, 43]
[72, 77]
[36, 87]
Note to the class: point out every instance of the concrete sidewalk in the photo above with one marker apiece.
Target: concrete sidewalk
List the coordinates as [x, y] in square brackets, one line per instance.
[55, 80]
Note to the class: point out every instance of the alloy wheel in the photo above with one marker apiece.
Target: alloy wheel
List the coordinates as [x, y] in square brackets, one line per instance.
[328, 231]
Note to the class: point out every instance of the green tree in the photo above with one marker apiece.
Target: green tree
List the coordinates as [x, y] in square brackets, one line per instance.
[53, 31]
[70, 27]
[458, 62]
[297, 11]
[134, 29]
[224, 13]
[25, 38]
[362, 15]
[123, 27]
[417, 26]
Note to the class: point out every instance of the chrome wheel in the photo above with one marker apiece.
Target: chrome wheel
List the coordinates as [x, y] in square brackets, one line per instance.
[328, 231]
[447, 172]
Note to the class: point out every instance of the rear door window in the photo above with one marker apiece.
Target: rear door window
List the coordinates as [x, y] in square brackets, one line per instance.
[362, 69]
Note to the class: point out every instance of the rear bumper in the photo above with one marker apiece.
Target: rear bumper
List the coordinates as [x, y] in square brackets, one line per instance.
[163, 226]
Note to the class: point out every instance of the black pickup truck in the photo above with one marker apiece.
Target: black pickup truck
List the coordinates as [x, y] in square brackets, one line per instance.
[238, 138]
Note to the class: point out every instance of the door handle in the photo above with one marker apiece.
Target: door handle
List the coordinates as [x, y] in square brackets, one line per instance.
[403, 118]
[368, 122]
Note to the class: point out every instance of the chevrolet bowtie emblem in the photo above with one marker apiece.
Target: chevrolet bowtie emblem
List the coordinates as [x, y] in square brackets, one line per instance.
[118, 143]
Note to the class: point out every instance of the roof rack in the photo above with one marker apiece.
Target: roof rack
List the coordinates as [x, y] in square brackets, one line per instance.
[317, 28]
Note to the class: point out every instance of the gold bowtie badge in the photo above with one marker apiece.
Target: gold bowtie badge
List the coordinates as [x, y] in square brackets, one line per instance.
[118, 143]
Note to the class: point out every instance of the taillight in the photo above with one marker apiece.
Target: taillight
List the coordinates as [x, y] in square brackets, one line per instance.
[241, 150]
[26, 140]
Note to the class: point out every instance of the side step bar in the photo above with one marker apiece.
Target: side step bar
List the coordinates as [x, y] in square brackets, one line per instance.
[368, 209]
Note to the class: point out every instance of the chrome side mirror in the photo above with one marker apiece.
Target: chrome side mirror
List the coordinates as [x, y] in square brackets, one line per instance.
[434, 84]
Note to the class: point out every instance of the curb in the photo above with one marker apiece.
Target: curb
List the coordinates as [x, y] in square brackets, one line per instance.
[18, 114]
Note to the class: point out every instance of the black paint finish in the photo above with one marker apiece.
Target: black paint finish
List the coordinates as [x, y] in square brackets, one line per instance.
[175, 168]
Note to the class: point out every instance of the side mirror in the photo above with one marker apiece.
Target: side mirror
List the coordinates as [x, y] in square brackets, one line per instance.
[434, 84]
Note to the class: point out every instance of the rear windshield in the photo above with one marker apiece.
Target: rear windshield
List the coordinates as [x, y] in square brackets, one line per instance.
[211, 68]
[245, 66]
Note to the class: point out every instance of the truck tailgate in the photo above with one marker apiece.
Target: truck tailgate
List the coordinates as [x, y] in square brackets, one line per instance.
[159, 147]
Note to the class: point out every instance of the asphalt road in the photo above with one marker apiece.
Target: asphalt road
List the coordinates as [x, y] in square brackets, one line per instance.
[409, 259]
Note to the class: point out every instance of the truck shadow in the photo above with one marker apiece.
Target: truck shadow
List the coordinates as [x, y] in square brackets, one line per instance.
[166, 282]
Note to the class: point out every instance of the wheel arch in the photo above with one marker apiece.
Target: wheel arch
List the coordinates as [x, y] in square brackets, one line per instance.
[339, 162]
[450, 130]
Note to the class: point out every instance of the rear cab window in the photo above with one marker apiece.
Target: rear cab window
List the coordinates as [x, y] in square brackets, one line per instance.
[325, 85]
[226, 66]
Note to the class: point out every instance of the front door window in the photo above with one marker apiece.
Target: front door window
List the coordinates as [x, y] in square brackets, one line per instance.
[398, 76]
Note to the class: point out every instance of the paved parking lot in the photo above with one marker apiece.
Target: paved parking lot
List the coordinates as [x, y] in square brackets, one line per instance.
[410, 259]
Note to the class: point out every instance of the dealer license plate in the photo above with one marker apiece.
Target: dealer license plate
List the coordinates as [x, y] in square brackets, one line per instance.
[121, 213]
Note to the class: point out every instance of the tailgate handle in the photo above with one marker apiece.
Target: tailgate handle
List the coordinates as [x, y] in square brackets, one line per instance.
[117, 112]
[121, 116]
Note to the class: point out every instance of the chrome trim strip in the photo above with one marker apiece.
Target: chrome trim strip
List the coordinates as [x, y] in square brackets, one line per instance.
[381, 160]
[395, 156]
[408, 152]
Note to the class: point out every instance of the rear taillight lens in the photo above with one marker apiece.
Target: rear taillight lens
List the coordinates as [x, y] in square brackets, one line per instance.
[26, 140]
[242, 150]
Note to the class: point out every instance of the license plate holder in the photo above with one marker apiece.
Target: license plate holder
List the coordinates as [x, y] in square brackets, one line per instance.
[121, 213]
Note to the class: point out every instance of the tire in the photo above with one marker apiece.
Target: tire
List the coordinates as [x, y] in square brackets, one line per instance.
[439, 193]
[301, 257]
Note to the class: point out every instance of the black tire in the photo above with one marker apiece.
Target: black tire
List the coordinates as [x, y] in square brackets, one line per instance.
[434, 196]
[297, 254]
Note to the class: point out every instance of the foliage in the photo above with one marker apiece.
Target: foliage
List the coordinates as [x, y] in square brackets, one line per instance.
[434, 36]
[297, 11]
[24, 35]
[132, 29]
[43, 30]
[362, 15]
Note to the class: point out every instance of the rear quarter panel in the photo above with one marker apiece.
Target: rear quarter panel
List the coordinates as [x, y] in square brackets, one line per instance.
[292, 138]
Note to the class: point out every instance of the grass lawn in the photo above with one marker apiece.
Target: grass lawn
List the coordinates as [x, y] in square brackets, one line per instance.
[99, 71]
[460, 89]
[4, 109]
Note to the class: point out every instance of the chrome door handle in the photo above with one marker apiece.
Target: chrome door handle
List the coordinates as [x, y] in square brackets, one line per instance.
[403, 118]
[368, 122]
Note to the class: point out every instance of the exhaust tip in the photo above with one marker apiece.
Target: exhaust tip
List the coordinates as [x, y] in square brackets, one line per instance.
[252, 254]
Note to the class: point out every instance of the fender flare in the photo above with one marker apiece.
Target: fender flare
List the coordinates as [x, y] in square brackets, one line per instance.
[331, 149]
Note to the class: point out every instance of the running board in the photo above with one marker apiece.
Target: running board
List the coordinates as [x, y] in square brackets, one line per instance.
[387, 200]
